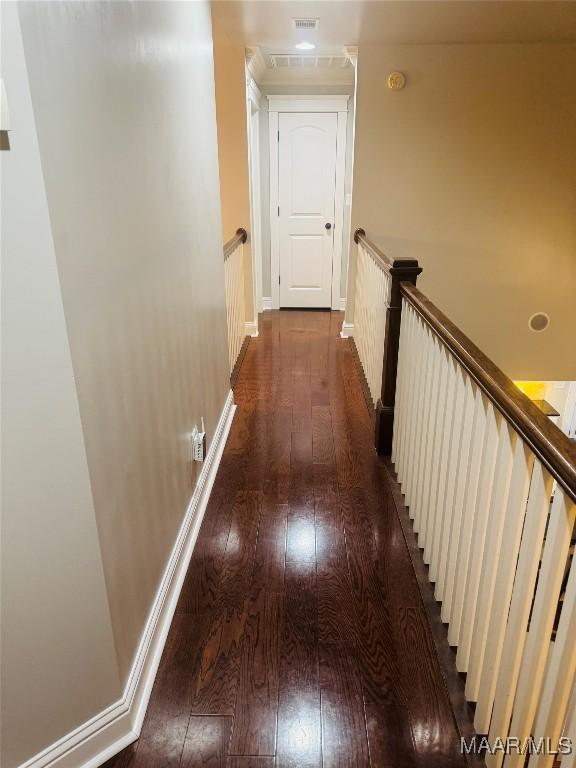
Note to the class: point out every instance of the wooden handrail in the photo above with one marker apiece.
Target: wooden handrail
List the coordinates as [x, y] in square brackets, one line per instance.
[552, 447]
[240, 237]
[387, 263]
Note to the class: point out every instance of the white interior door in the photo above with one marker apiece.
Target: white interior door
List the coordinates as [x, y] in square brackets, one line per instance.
[306, 197]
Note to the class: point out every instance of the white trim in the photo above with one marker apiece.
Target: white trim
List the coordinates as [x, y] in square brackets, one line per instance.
[274, 230]
[308, 103]
[255, 63]
[253, 92]
[253, 131]
[352, 53]
[251, 329]
[266, 303]
[270, 76]
[341, 135]
[569, 420]
[341, 304]
[347, 330]
[107, 733]
[307, 77]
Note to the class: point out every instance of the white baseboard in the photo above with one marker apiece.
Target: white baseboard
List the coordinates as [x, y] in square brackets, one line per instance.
[266, 303]
[347, 330]
[105, 735]
[342, 304]
[251, 329]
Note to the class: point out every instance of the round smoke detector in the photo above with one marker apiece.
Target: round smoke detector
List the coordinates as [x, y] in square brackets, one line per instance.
[538, 322]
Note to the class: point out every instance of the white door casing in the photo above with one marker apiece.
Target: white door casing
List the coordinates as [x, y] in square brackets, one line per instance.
[306, 201]
[307, 169]
[253, 97]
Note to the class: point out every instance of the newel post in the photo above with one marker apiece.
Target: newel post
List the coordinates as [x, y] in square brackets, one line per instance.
[402, 270]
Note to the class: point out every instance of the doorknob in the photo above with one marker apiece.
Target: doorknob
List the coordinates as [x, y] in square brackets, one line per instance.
[328, 225]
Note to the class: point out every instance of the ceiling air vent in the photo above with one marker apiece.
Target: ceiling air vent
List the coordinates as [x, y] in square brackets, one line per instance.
[311, 25]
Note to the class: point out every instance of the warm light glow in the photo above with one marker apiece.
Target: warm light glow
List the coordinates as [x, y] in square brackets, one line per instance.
[303, 540]
[535, 390]
[305, 46]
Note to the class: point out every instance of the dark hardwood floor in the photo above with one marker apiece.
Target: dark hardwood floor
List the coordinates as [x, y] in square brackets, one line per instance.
[301, 638]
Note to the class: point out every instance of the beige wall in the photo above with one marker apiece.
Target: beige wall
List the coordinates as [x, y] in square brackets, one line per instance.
[472, 170]
[230, 75]
[58, 663]
[114, 337]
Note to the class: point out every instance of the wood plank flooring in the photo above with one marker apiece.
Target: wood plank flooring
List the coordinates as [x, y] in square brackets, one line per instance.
[300, 639]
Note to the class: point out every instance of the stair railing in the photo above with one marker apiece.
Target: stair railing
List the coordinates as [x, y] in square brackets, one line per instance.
[490, 483]
[377, 328]
[235, 302]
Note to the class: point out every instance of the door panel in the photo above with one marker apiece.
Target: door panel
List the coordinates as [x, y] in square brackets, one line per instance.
[306, 179]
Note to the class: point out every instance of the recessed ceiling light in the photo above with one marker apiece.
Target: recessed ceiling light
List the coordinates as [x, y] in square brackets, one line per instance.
[305, 46]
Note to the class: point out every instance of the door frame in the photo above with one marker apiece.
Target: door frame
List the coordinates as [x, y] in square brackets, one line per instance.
[308, 103]
[253, 98]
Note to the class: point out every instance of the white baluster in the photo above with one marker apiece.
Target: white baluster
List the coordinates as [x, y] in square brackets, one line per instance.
[515, 633]
[470, 497]
[424, 432]
[488, 550]
[444, 410]
[451, 476]
[417, 371]
[432, 555]
[430, 435]
[462, 474]
[492, 621]
[488, 462]
[401, 385]
[536, 651]
[560, 675]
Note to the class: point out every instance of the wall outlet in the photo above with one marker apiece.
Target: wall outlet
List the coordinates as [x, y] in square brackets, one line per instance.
[198, 440]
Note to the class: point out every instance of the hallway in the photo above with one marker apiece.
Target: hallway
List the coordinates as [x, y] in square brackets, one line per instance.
[300, 638]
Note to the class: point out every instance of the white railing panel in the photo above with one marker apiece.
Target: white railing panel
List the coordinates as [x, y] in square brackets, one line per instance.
[492, 443]
[569, 761]
[491, 622]
[480, 501]
[443, 415]
[471, 495]
[235, 306]
[371, 303]
[404, 382]
[451, 468]
[432, 541]
[491, 551]
[417, 372]
[558, 687]
[424, 425]
[462, 479]
[401, 393]
[438, 407]
[536, 651]
[515, 632]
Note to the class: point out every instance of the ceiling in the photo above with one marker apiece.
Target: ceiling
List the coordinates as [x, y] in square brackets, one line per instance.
[268, 23]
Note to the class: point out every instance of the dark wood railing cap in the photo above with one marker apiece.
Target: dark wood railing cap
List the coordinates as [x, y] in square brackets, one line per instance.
[240, 237]
[402, 266]
[552, 447]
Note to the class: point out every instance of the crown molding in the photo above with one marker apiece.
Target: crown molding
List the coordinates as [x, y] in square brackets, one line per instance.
[351, 53]
[255, 63]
